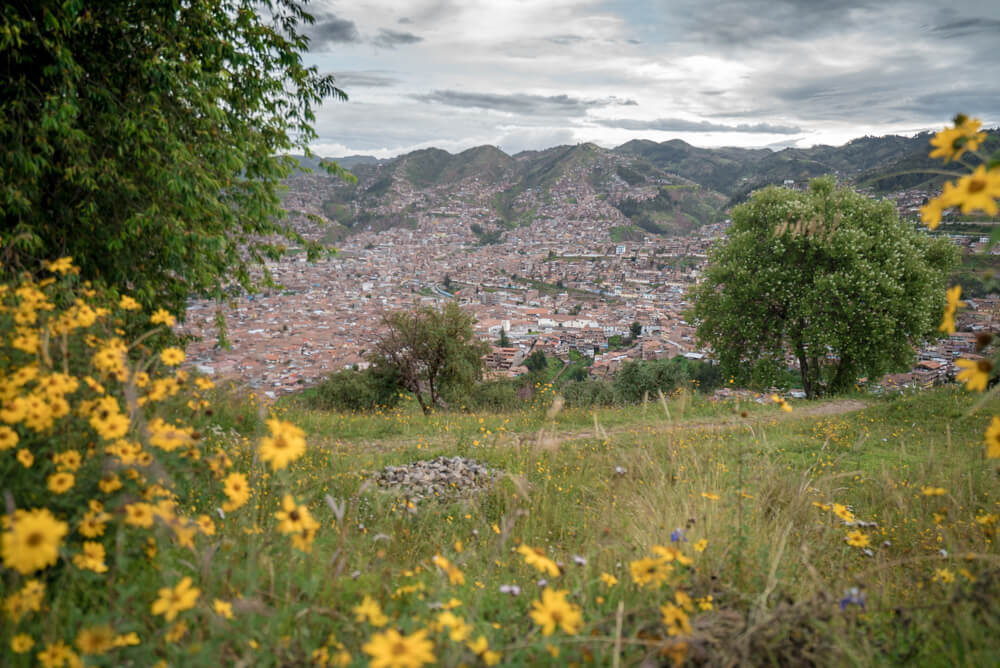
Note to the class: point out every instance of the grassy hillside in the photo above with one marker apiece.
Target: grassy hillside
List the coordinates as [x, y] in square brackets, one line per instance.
[684, 531]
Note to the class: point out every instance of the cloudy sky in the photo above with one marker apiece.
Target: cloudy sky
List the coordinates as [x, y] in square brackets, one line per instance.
[530, 74]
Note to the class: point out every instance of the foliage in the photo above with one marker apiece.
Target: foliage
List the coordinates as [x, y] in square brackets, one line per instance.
[143, 139]
[536, 361]
[434, 352]
[638, 380]
[349, 389]
[827, 275]
[590, 393]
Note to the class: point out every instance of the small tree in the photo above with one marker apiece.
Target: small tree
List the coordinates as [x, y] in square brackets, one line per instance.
[504, 341]
[635, 329]
[828, 276]
[536, 361]
[434, 352]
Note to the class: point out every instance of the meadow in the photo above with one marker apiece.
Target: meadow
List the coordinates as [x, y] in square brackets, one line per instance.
[153, 518]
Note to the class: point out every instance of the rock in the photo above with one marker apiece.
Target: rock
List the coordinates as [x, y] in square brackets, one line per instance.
[440, 478]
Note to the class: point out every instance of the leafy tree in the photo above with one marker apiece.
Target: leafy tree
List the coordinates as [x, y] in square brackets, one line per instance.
[504, 340]
[635, 329]
[827, 276]
[435, 353]
[145, 139]
[536, 361]
[635, 379]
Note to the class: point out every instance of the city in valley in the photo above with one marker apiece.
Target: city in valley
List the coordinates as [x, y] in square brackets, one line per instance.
[572, 272]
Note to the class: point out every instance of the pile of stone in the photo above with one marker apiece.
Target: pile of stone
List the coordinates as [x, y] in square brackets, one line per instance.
[444, 477]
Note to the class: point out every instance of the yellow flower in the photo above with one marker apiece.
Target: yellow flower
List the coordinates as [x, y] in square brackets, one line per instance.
[648, 571]
[57, 655]
[95, 640]
[370, 610]
[172, 356]
[14, 410]
[126, 303]
[25, 457]
[169, 437]
[29, 599]
[176, 632]
[223, 608]
[554, 611]
[174, 601]
[109, 424]
[32, 543]
[21, 643]
[139, 515]
[944, 575]
[608, 579]
[948, 319]
[701, 545]
[60, 483]
[458, 629]
[455, 575]
[206, 525]
[110, 483]
[391, 649]
[857, 539]
[535, 557]
[92, 557]
[951, 143]
[841, 511]
[162, 317]
[670, 553]
[782, 404]
[293, 518]
[127, 639]
[67, 461]
[993, 439]
[933, 491]
[675, 619]
[974, 374]
[978, 191]
[285, 444]
[62, 266]
[8, 438]
[235, 487]
[93, 523]
[710, 496]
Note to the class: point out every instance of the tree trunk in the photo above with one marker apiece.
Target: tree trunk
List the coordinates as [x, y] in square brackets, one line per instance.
[841, 380]
[804, 370]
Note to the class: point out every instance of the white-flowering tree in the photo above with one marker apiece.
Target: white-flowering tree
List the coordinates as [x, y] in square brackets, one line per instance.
[829, 276]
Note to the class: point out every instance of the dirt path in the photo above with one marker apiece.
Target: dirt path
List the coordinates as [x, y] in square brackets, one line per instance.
[550, 439]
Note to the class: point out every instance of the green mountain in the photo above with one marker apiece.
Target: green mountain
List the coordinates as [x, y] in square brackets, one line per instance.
[737, 172]
[660, 188]
[510, 191]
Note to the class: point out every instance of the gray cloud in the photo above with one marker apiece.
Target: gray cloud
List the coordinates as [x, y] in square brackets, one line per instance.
[966, 27]
[368, 79]
[755, 22]
[681, 125]
[564, 40]
[521, 103]
[330, 30]
[390, 39]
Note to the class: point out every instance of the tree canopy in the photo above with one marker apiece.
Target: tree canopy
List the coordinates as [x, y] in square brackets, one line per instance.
[146, 139]
[434, 353]
[827, 277]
